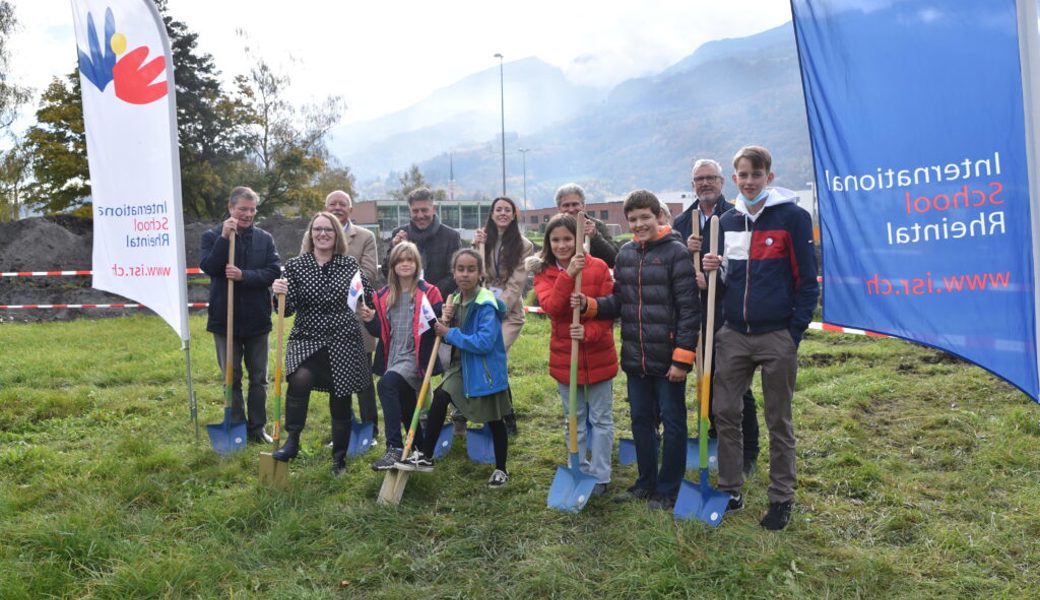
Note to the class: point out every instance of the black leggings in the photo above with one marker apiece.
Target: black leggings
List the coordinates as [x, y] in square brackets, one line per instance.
[435, 421]
[315, 371]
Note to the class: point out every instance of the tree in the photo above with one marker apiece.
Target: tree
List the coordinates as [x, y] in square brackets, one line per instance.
[211, 127]
[14, 171]
[58, 149]
[413, 179]
[287, 144]
[11, 96]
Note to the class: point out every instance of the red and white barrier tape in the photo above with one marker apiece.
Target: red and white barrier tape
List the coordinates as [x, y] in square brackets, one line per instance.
[839, 329]
[61, 306]
[189, 271]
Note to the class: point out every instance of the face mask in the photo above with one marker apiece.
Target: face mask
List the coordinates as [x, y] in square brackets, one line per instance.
[762, 196]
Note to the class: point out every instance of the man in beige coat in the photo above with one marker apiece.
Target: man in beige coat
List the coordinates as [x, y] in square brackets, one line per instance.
[361, 244]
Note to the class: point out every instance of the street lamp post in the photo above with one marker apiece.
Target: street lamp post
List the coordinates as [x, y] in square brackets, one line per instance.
[502, 97]
[523, 155]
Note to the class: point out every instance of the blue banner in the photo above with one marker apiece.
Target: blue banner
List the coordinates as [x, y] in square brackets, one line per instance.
[916, 117]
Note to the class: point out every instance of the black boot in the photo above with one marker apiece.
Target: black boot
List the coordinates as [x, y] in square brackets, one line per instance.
[295, 419]
[340, 442]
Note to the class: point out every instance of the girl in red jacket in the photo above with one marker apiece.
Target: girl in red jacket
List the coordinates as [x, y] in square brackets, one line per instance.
[555, 269]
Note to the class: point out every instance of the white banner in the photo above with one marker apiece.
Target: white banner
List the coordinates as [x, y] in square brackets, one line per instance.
[130, 117]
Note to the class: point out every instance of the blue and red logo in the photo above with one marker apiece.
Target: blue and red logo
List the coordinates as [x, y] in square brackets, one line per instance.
[134, 81]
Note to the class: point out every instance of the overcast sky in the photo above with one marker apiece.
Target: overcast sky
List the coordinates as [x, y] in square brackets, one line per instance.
[384, 56]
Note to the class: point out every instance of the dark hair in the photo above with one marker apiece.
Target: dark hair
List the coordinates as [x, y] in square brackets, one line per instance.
[421, 194]
[561, 220]
[759, 157]
[642, 199]
[512, 244]
[476, 255]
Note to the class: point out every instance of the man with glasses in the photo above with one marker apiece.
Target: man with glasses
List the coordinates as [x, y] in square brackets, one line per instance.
[707, 181]
[255, 267]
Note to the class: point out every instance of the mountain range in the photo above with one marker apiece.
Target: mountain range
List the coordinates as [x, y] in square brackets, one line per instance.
[642, 133]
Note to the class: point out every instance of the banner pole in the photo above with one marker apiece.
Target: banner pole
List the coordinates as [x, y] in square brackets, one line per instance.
[192, 405]
[1029, 59]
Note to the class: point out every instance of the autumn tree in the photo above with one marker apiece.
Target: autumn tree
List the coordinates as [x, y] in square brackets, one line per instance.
[287, 143]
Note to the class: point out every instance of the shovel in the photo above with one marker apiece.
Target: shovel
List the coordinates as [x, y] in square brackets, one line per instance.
[693, 444]
[395, 480]
[571, 489]
[479, 446]
[361, 438]
[275, 473]
[701, 501]
[444, 441]
[228, 437]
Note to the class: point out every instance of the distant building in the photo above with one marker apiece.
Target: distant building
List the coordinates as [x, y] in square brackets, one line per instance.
[612, 213]
[383, 216]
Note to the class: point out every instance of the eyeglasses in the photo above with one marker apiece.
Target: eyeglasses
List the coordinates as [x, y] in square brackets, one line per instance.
[322, 230]
[706, 178]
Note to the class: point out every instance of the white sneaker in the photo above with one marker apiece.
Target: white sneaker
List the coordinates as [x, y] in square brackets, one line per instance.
[498, 479]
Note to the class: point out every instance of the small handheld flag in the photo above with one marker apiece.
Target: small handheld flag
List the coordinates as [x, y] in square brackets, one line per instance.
[355, 291]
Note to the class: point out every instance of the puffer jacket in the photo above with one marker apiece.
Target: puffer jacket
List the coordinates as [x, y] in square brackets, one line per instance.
[655, 294]
[769, 265]
[597, 355]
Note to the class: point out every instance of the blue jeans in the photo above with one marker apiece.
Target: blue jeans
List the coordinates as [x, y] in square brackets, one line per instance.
[398, 401]
[254, 351]
[646, 395]
[595, 407]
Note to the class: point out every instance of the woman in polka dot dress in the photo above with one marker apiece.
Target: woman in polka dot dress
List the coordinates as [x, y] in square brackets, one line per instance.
[325, 350]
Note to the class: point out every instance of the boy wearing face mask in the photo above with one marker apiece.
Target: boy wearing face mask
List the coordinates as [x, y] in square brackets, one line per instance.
[769, 268]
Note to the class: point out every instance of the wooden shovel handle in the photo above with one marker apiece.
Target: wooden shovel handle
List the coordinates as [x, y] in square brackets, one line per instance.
[229, 356]
[572, 418]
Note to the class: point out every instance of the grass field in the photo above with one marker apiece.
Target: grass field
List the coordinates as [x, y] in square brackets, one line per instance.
[918, 478]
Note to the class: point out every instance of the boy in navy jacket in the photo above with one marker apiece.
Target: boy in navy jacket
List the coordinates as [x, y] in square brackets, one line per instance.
[769, 267]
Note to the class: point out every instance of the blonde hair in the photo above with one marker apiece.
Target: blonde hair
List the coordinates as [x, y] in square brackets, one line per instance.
[341, 238]
[399, 252]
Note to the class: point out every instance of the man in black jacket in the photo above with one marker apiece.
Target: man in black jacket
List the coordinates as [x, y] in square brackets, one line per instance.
[706, 179]
[570, 199]
[436, 241]
[256, 265]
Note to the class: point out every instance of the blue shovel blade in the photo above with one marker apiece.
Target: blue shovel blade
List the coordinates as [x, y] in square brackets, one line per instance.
[693, 454]
[626, 451]
[227, 437]
[701, 502]
[360, 438]
[444, 441]
[479, 446]
[570, 490]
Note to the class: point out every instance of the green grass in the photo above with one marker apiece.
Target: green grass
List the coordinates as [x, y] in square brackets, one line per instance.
[918, 478]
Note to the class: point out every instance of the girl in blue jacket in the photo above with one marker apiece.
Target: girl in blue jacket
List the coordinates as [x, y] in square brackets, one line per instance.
[475, 380]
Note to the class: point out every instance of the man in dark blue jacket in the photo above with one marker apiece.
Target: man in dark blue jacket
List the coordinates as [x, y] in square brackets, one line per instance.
[706, 179]
[255, 267]
[769, 266]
